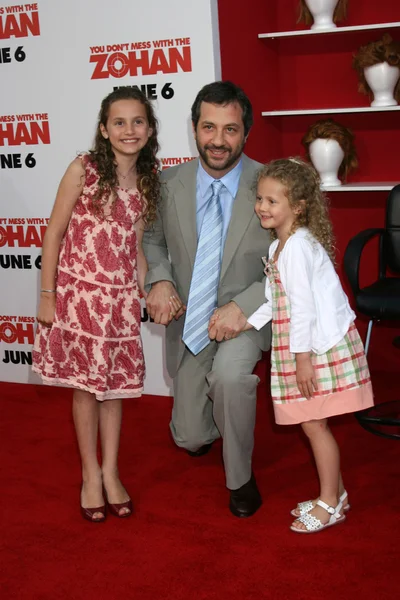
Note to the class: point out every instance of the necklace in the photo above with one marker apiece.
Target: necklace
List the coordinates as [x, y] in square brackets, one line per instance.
[132, 169]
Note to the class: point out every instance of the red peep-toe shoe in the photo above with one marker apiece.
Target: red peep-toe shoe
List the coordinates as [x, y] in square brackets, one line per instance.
[115, 508]
[87, 513]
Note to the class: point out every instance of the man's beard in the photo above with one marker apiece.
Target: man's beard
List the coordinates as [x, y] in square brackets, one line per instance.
[220, 166]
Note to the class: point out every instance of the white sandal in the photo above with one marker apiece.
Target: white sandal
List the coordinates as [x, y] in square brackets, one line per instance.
[305, 507]
[313, 524]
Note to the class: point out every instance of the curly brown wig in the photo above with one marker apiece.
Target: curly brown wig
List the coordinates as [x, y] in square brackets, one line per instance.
[383, 50]
[330, 129]
[302, 183]
[147, 166]
[339, 14]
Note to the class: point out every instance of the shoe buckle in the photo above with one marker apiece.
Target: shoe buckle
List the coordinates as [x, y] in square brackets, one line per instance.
[329, 509]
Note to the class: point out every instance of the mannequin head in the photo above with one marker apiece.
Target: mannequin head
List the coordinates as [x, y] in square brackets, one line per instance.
[327, 156]
[328, 129]
[305, 15]
[385, 50]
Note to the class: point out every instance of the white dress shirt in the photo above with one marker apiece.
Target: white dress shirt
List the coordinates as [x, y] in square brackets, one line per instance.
[320, 314]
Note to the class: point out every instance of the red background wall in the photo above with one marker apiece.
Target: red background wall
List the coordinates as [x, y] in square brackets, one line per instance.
[316, 72]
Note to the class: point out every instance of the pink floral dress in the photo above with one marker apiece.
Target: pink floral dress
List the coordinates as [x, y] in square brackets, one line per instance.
[94, 343]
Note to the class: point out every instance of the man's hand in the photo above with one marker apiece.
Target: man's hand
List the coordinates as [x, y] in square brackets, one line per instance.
[163, 303]
[305, 375]
[226, 322]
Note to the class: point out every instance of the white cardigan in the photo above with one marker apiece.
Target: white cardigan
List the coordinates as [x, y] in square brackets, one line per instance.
[320, 314]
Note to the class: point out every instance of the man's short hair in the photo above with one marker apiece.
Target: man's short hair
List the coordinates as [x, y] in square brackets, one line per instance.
[223, 92]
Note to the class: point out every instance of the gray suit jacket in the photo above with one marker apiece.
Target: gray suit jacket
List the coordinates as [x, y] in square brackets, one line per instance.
[170, 248]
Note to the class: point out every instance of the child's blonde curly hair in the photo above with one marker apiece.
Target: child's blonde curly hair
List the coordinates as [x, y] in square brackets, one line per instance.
[302, 182]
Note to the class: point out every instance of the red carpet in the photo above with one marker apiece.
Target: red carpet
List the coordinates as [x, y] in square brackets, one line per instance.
[182, 542]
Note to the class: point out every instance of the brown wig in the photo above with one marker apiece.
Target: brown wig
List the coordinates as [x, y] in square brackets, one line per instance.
[383, 50]
[339, 14]
[147, 166]
[303, 190]
[330, 129]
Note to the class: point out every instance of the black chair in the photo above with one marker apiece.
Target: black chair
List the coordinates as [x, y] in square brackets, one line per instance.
[379, 301]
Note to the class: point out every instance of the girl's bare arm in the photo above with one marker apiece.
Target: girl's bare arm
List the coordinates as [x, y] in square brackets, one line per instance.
[69, 190]
[141, 259]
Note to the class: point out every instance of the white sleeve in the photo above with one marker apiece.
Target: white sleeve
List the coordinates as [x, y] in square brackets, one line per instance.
[263, 314]
[298, 261]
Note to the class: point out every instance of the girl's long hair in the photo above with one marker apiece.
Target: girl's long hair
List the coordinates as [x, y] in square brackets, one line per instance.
[302, 182]
[147, 166]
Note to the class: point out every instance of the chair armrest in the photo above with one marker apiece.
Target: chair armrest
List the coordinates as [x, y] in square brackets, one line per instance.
[352, 256]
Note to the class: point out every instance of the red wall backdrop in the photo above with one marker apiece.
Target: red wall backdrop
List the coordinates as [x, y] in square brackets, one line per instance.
[316, 72]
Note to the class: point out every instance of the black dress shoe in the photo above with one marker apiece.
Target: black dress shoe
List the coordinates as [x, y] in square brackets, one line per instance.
[201, 451]
[245, 501]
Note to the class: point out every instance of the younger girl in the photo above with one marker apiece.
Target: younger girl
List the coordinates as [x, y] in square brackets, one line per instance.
[318, 366]
[93, 270]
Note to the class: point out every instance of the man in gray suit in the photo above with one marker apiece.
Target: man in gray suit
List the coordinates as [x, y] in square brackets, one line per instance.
[204, 254]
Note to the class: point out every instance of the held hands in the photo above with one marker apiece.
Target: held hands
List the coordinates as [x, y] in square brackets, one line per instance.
[227, 322]
[305, 375]
[47, 309]
[163, 303]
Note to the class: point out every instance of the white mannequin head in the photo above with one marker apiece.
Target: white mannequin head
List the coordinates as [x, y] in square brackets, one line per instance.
[330, 147]
[327, 156]
[382, 79]
[378, 68]
[323, 14]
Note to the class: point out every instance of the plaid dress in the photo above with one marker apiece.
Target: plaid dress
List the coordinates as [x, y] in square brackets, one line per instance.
[343, 380]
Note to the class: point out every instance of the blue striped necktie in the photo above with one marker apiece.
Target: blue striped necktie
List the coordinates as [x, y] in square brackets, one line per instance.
[205, 277]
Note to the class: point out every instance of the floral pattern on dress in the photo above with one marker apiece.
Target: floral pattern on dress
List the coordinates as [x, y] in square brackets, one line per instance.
[94, 343]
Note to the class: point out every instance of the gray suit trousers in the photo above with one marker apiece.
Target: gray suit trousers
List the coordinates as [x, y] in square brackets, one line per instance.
[215, 395]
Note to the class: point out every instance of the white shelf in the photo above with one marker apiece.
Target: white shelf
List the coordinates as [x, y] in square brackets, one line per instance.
[281, 34]
[361, 187]
[330, 111]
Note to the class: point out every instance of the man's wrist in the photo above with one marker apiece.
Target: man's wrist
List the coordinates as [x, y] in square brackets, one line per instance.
[162, 281]
[235, 305]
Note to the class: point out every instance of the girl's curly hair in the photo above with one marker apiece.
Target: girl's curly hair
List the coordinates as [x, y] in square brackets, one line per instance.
[383, 50]
[302, 182]
[339, 14]
[147, 166]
